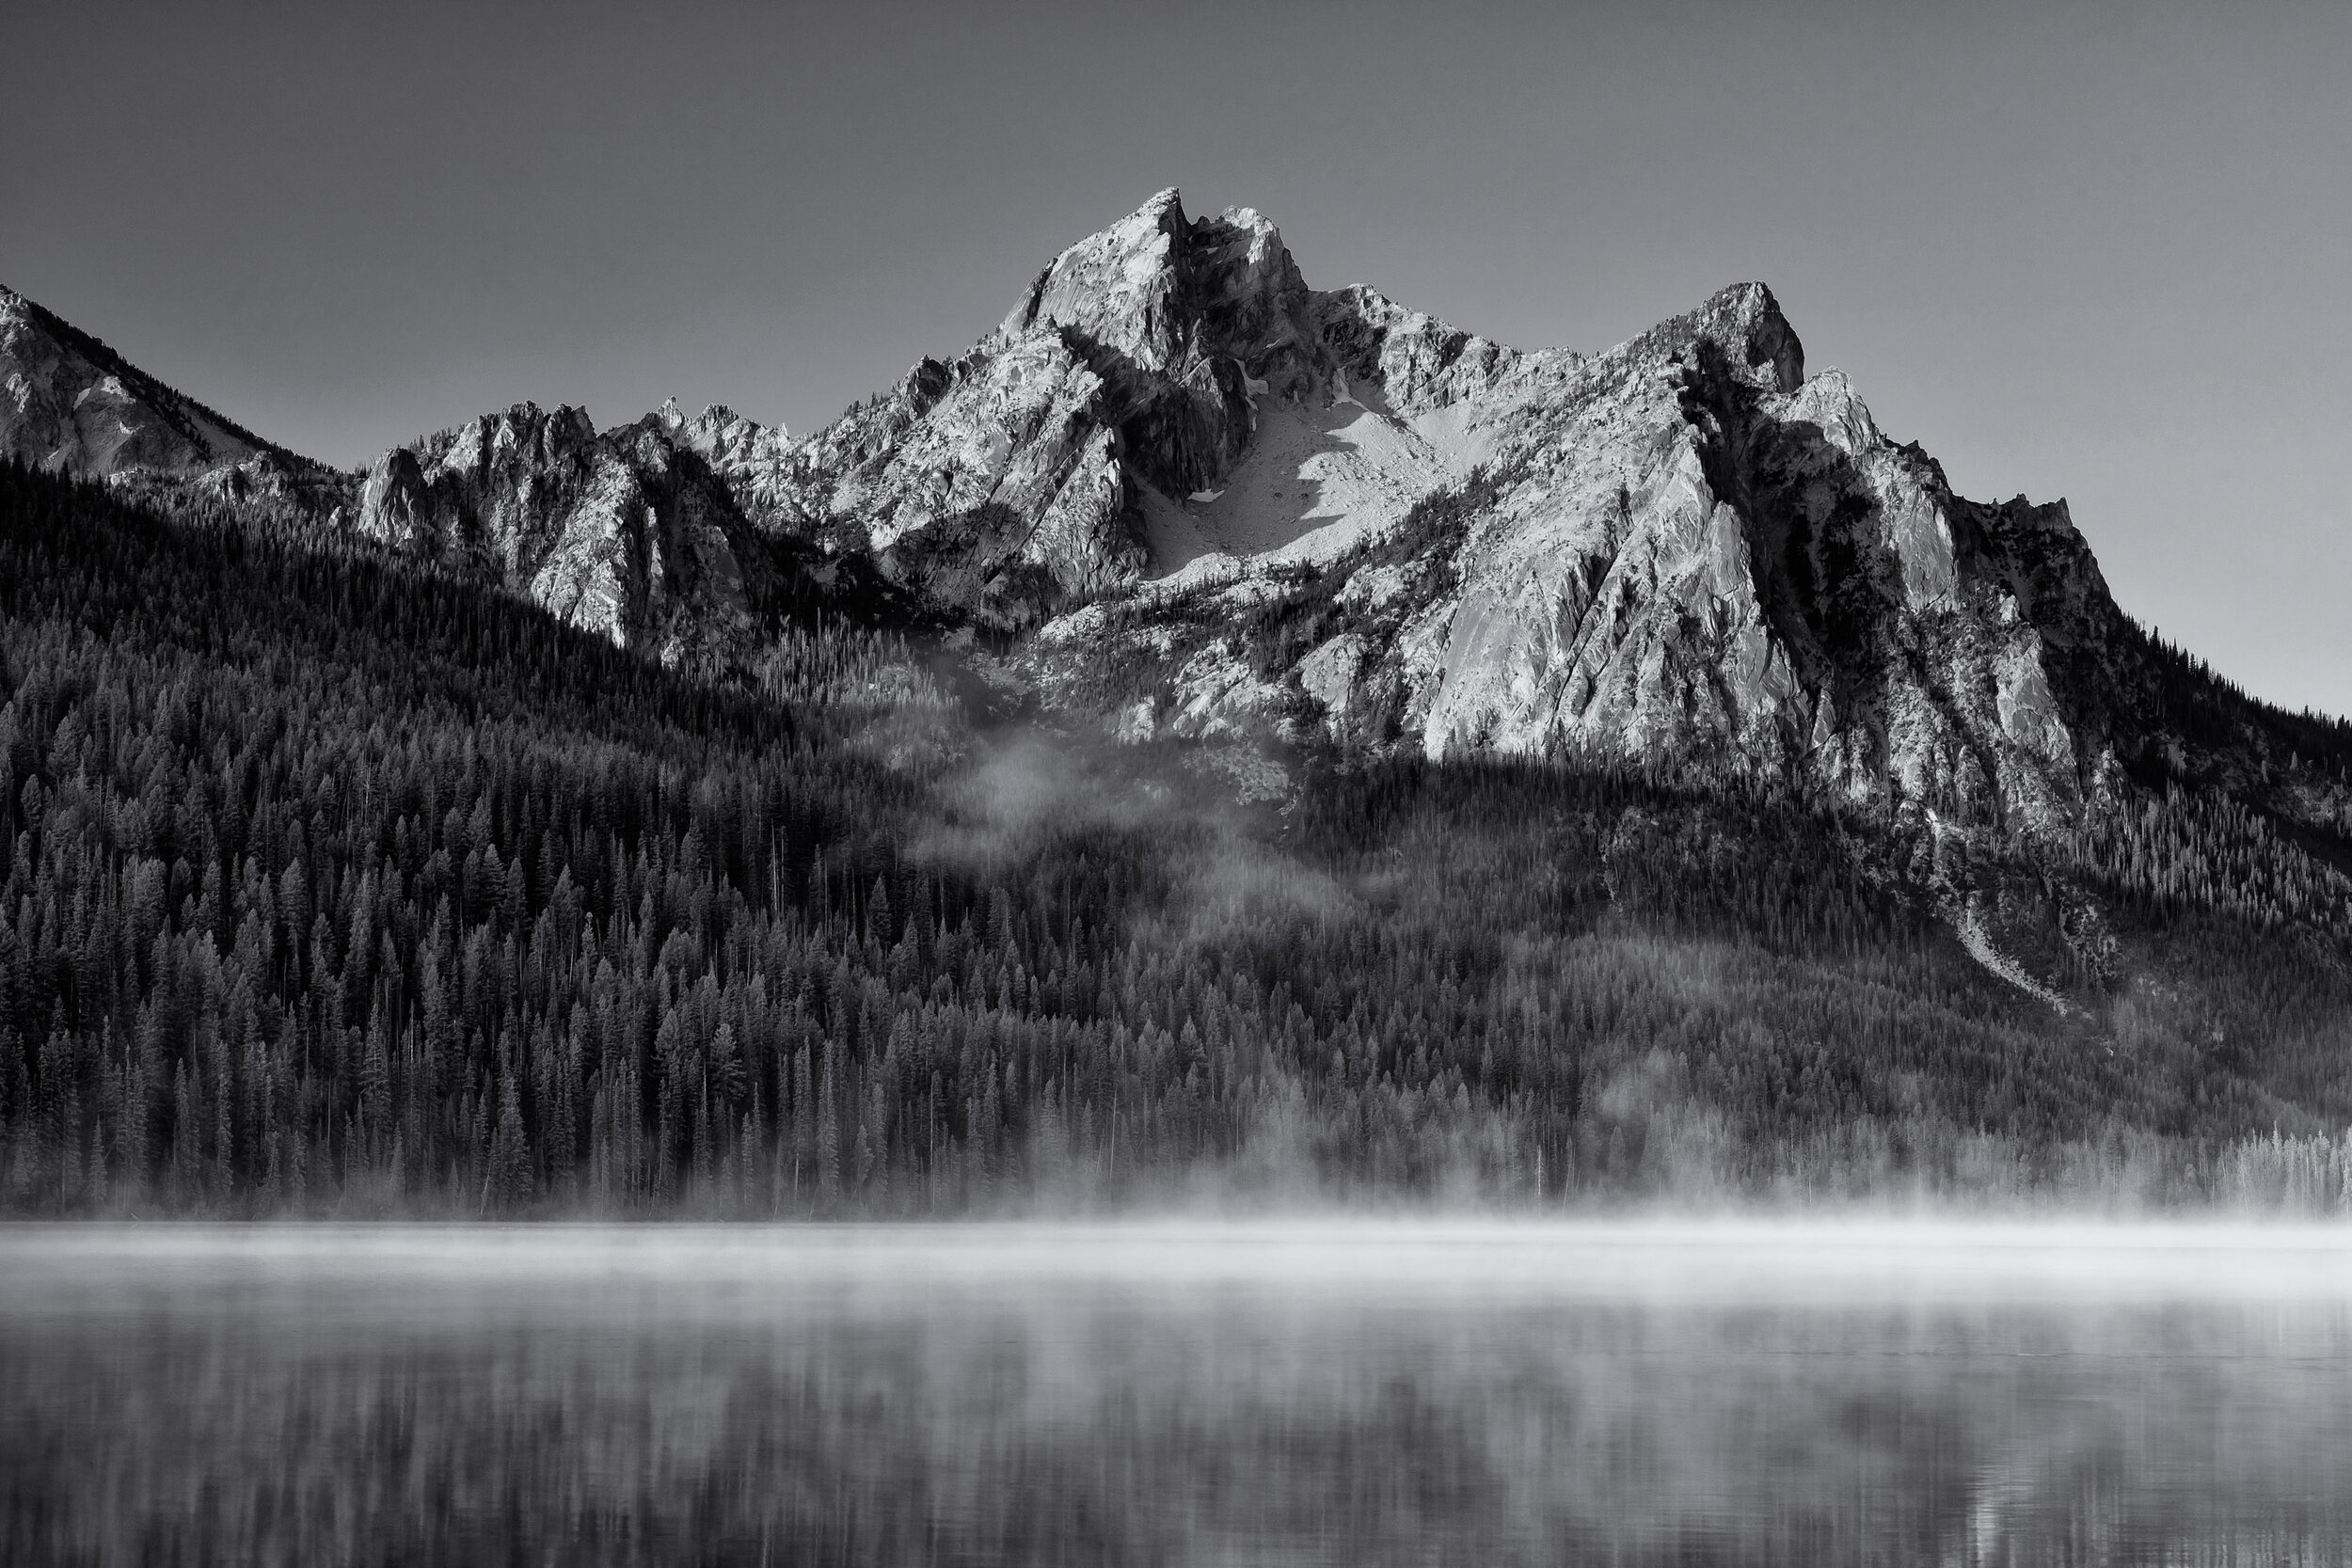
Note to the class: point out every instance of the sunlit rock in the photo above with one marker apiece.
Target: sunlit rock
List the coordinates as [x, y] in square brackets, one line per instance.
[625, 533]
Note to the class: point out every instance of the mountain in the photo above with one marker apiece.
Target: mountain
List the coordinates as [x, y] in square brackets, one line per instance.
[1225, 504]
[1212, 736]
[1212, 500]
[627, 533]
[1309, 511]
[70, 405]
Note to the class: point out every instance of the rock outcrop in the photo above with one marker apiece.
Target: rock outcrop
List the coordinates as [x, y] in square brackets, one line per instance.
[746, 455]
[626, 533]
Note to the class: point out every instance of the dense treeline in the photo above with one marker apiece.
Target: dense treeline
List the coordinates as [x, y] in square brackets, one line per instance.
[331, 886]
[2213, 715]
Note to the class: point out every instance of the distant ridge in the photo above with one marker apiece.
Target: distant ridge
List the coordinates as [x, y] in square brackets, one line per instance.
[160, 427]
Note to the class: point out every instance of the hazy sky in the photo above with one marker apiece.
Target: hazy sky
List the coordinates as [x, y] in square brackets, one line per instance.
[2103, 252]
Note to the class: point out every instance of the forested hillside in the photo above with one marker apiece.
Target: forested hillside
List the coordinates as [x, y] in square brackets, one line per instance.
[328, 885]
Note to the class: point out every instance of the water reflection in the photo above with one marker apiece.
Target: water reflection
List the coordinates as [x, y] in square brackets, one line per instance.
[980, 1397]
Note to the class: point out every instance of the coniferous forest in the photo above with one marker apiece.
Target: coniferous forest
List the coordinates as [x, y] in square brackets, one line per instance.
[333, 886]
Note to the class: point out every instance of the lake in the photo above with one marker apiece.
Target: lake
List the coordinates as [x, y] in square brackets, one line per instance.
[1625, 1392]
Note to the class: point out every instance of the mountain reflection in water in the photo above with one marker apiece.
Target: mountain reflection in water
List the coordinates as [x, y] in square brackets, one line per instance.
[1486, 1394]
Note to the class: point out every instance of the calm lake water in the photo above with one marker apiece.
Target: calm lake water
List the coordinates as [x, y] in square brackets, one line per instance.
[1361, 1394]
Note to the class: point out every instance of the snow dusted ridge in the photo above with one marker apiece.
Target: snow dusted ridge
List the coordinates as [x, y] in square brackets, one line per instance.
[1216, 500]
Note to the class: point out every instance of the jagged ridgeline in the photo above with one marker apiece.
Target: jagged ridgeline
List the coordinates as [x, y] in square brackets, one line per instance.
[333, 885]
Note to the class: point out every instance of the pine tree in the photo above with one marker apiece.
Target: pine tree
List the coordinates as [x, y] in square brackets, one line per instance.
[509, 1183]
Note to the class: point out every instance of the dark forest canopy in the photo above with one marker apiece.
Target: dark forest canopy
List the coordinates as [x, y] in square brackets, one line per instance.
[327, 886]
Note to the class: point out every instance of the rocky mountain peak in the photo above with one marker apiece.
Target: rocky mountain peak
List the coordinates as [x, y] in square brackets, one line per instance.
[1744, 326]
[1117, 290]
[1677, 550]
[1157, 292]
[752, 459]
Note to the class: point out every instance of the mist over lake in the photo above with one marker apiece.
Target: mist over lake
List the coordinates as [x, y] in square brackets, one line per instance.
[1358, 1393]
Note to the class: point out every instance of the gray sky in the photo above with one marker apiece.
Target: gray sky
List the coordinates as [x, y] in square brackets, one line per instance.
[2103, 252]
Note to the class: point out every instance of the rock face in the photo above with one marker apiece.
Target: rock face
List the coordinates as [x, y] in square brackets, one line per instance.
[627, 533]
[745, 454]
[71, 405]
[1687, 550]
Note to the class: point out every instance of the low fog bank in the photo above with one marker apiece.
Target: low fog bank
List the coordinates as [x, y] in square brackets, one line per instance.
[1849, 1260]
